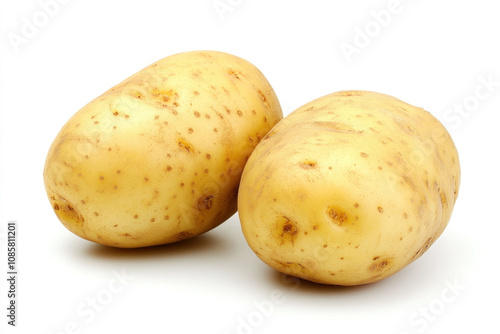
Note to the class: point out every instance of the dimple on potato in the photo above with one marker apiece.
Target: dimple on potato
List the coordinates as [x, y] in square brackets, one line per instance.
[158, 158]
[349, 188]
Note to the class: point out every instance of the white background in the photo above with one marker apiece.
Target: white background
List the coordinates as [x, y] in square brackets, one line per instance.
[433, 54]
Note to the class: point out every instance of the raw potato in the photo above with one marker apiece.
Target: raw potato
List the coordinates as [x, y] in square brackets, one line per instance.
[158, 158]
[349, 189]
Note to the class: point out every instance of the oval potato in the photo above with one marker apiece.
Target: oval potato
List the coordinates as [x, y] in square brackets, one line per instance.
[158, 158]
[349, 188]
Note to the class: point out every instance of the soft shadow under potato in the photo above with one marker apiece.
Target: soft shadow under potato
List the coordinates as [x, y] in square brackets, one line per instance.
[206, 243]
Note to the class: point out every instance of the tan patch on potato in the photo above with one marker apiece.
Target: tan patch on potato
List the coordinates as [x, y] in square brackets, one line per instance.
[286, 230]
[185, 145]
[337, 216]
[308, 164]
[67, 212]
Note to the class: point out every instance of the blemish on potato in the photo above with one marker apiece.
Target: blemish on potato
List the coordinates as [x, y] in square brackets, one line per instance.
[196, 93]
[205, 203]
[96, 213]
[380, 266]
[363, 154]
[167, 217]
[423, 249]
[152, 220]
[136, 216]
[380, 209]
[264, 99]
[356, 205]
[239, 112]
[308, 164]
[185, 145]
[197, 114]
[101, 178]
[233, 73]
[183, 235]
[190, 130]
[405, 215]
[287, 230]
[337, 216]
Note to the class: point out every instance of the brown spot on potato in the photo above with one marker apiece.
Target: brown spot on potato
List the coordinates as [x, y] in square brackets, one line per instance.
[167, 217]
[205, 203]
[152, 220]
[208, 156]
[136, 216]
[185, 145]
[183, 235]
[356, 205]
[423, 248]
[239, 112]
[96, 213]
[197, 114]
[337, 216]
[379, 266]
[264, 99]
[196, 92]
[363, 154]
[190, 130]
[442, 195]
[308, 164]
[287, 230]
[380, 209]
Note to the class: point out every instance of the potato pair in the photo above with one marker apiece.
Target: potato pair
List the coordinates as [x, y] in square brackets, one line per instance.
[348, 189]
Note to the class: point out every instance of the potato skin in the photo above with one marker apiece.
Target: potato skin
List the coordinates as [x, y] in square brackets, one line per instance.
[349, 188]
[158, 158]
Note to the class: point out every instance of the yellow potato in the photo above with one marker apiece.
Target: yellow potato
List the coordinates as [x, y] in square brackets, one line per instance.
[349, 188]
[158, 158]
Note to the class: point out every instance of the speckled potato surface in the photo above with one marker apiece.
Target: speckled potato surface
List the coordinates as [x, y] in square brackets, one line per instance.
[349, 188]
[158, 158]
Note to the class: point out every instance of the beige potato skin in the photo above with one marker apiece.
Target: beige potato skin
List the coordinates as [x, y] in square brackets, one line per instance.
[349, 188]
[158, 158]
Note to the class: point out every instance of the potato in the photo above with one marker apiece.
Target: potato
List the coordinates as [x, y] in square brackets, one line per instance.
[349, 188]
[158, 158]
